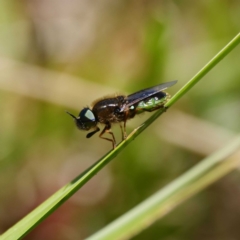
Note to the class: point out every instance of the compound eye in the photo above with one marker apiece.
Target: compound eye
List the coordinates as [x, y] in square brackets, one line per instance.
[87, 119]
[87, 115]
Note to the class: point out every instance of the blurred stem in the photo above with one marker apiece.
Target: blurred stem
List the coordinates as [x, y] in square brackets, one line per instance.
[212, 63]
[202, 175]
[25, 225]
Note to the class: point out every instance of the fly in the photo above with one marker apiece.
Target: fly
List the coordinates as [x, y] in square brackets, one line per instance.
[119, 109]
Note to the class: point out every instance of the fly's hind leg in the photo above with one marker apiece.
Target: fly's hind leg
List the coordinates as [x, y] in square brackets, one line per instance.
[107, 129]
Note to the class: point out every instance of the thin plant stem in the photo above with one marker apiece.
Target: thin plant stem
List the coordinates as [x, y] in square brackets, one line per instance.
[200, 176]
[20, 229]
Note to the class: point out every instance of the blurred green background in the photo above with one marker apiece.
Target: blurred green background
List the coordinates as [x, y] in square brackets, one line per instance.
[58, 55]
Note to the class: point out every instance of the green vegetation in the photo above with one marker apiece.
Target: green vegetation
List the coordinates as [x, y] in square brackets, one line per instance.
[45, 55]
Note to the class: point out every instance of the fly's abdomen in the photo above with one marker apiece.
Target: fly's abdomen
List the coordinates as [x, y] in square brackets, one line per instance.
[153, 103]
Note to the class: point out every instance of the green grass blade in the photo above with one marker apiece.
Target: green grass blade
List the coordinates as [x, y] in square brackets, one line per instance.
[207, 171]
[212, 63]
[46, 208]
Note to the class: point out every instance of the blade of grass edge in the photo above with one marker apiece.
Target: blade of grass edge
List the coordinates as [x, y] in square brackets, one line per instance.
[30, 221]
[212, 63]
[165, 200]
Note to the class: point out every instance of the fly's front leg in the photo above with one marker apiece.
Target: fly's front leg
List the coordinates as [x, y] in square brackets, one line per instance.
[107, 129]
[92, 133]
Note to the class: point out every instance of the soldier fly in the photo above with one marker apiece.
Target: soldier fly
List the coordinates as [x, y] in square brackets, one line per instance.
[119, 109]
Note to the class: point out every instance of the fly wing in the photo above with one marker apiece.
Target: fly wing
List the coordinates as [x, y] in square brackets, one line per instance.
[145, 93]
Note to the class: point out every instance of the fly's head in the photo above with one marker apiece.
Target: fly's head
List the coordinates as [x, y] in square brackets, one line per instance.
[86, 119]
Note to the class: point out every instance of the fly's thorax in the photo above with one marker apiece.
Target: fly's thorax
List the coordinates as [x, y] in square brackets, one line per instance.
[108, 109]
[119, 98]
[86, 119]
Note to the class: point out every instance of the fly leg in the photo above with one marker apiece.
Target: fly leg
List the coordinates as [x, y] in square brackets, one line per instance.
[92, 133]
[107, 129]
[123, 130]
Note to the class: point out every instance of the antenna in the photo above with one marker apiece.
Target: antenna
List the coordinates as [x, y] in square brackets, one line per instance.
[71, 115]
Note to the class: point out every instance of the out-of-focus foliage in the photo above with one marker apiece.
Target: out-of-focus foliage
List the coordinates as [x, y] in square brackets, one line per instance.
[64, 54]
